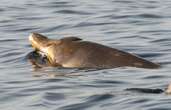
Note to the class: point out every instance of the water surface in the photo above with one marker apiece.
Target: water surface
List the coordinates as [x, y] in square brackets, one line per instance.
[142, 27]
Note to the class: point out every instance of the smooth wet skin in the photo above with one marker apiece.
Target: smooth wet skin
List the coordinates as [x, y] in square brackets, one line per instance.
[74, 52]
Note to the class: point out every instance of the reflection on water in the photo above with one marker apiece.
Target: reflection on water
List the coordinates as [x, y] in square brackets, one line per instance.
[141, 27]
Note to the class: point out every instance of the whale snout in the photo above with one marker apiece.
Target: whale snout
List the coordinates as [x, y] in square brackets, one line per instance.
[31, 36]
[37, 37]
[38, 41]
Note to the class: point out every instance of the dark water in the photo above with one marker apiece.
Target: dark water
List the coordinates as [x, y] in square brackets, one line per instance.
[137, 26]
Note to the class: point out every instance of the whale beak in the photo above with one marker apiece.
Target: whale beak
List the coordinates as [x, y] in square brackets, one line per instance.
[31, 37]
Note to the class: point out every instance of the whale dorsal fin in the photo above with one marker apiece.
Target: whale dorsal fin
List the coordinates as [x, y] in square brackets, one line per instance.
[71, 39]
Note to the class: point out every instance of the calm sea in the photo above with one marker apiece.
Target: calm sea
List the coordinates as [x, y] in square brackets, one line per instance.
[142, 27]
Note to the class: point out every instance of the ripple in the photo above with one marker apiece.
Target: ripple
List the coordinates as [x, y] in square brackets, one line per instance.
[149, 16]
[88, 24]
[99, 97]
[154, 105]
[21, 29]
[145, 90]
[9, 54]
[53, 80]
[150, 55]
[39, 105]
[39, 89]
[139, 101]
[59, 4]
[110, 82]
[165, 41]
[8, 40]
[73, 12]
[31, 18]
[15, 8]
[141, 27]
[154, 77]
[1, 10]
[160, 108]
[53, 96]
[54, 28]
[5, 21]
[123, 1]
[145, 15]
[91, 101]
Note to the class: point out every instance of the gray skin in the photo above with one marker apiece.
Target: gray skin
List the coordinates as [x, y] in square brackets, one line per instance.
[73, 52]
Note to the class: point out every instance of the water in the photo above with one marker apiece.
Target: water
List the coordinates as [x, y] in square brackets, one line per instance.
[136, 26]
